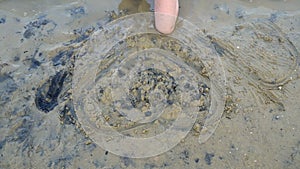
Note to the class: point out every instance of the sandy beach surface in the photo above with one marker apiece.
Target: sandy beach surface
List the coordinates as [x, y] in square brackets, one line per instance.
[235, 63]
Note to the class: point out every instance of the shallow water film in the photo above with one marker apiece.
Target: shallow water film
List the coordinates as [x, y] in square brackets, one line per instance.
[92, 84]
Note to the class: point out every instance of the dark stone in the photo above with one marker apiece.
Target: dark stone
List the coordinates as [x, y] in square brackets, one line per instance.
[2, 20]
[208, 158]
[165, 164]
[197, 160]
[47, 94]
[202, 108]
[34, 63]
[16, 58]
[232, 146]
[100, 93]
[170, 102]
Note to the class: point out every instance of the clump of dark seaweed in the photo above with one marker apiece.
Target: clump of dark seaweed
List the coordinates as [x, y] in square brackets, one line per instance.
[47, 94]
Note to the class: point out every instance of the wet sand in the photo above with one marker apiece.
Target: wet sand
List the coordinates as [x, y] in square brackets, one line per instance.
[257, 43]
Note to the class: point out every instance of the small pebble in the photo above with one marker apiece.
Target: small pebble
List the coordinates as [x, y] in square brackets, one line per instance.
[208, 158]
[2, 20]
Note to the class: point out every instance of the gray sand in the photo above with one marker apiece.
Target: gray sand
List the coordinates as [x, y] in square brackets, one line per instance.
[257, 43]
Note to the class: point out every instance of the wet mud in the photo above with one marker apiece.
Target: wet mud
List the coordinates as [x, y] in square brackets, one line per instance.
[257, 128]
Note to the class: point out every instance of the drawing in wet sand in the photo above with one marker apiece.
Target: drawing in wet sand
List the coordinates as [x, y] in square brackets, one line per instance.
[120, 95]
